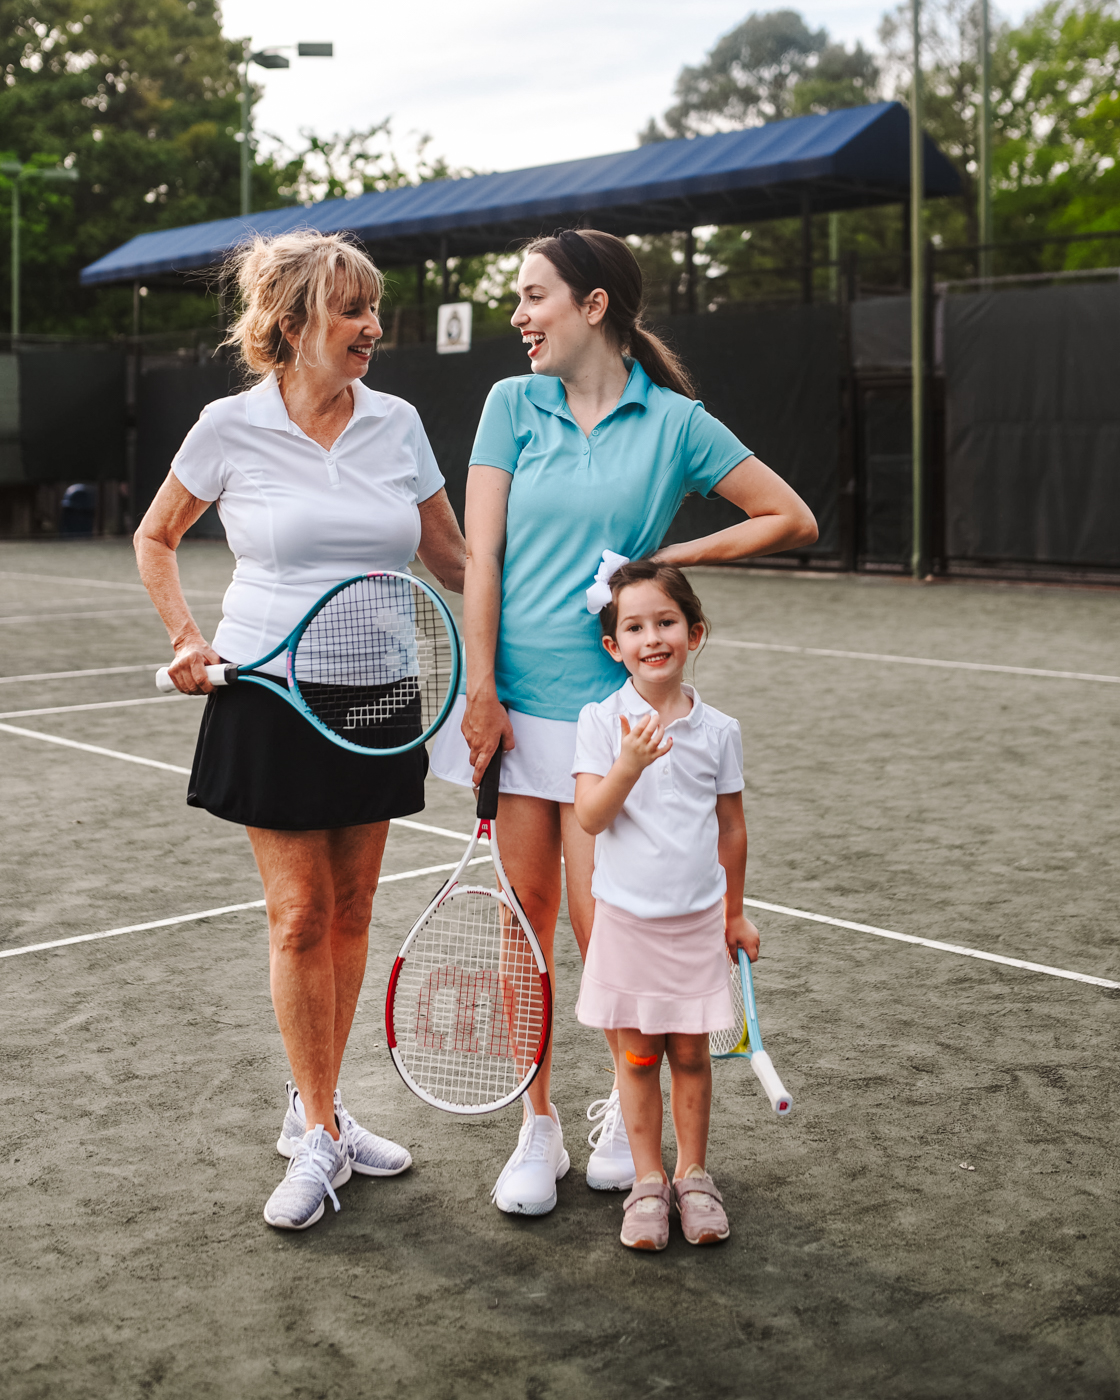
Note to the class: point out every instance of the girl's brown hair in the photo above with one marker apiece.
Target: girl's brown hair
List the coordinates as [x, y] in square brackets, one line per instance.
[303, 279]
[668, 578]
[587, 259]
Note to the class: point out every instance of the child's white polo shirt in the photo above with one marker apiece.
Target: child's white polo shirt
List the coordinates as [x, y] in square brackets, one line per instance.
[659, 857]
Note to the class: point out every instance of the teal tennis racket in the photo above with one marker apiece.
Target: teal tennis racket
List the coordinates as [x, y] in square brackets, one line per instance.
[744, 1039]
[374, 665]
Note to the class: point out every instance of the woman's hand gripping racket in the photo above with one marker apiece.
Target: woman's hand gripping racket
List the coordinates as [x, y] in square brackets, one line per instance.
[374, 665]
[745, 1038]
[468, 1012]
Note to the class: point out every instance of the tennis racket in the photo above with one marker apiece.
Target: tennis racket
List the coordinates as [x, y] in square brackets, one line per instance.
[374, 665]
[468, 1011]
[745, 1038]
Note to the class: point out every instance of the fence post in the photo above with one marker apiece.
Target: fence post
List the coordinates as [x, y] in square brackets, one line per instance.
[849, 417]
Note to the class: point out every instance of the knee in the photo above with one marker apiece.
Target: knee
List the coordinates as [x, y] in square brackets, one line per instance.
[352, 913]
[690, 1054]
[297, 928]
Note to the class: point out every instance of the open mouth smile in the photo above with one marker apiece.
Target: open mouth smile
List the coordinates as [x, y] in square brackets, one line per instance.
[364, 350]
[657, 659]
[534, 340]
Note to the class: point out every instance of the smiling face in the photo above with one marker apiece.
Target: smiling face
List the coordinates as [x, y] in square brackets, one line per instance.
[556, 330]
[653, 638]
[344, 351]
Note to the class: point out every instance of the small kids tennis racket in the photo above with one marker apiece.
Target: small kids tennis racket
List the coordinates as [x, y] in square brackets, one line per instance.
[746, 1038]
[468, 1011]
[374, 665]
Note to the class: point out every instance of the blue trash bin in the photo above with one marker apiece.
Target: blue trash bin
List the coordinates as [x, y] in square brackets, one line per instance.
[79, 507]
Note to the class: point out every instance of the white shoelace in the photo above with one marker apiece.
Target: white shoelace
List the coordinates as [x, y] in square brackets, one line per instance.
[313, 1162]
[530, 1147]
[609, 1111]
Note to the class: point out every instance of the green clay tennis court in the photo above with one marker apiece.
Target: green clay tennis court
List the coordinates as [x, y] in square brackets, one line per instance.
[938, 1215]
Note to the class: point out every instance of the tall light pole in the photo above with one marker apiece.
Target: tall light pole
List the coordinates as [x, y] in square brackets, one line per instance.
[985, 141]
[917, 299]
[264, 58]
[17, 173]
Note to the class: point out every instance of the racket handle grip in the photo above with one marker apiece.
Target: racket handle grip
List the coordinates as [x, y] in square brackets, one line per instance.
[488, 788]
[216, 675]
[772, 1086]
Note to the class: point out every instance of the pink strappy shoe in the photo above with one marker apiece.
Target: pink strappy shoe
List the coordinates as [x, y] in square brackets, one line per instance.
[645, 1223]
[702, 1215]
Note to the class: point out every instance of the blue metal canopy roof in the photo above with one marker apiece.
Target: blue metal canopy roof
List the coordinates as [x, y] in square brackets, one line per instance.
[844, 160]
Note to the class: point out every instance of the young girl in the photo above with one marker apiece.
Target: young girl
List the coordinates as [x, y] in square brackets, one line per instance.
[659, 778]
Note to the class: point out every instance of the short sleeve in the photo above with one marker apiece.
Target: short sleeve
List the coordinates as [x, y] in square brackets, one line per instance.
[711, 451]
[594, 749]
[496, 443]
[729, 777]
[200, 463]
[429, 478]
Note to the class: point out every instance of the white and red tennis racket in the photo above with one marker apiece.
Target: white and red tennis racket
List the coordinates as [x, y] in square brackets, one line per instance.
[468, 1011]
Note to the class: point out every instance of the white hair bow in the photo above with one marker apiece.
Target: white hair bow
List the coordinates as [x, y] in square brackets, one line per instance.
[599, 594]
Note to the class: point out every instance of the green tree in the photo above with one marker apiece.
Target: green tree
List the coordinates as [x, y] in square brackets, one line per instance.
[142, 95]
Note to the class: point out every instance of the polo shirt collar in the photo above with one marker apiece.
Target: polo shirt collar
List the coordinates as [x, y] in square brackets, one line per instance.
[546, 391]
[634, 707]
[264, 405]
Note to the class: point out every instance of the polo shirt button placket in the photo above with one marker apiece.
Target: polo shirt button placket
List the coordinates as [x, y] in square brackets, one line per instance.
[332, 471]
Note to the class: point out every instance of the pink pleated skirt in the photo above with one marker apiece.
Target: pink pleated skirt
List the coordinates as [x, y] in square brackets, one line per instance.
[659, 976]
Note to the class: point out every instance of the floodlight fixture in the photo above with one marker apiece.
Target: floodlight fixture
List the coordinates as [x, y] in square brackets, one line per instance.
[272, 57]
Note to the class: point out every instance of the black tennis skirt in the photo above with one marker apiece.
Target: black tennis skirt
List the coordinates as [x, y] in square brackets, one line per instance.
[260, 763]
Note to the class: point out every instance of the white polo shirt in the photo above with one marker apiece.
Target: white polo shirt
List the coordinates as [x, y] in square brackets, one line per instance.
[300, 517]
[659, 857]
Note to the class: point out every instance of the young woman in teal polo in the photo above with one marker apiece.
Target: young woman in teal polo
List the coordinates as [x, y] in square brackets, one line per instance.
[593, 451]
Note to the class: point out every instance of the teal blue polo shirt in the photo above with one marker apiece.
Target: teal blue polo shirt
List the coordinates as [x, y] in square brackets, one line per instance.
[572, 496]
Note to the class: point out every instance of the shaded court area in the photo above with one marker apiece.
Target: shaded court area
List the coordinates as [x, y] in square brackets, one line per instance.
[936, 1218]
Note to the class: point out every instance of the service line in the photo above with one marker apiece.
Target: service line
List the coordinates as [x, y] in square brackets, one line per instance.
[933, 943]
[916, 661]
[206, 914]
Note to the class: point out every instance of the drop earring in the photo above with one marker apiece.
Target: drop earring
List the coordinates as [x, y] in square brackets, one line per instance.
[296, 365]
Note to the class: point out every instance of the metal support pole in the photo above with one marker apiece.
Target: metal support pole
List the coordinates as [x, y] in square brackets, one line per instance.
[246, 188]
[834, 256]
[689, 272]
[917, 301]
[15, 257]
[985, 142]
[806, 248]
[445, 271]
[421, 275]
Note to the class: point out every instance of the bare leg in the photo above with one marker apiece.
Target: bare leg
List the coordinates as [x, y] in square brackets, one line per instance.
[318, 887]
[639, 1089]
[579, 864]
[529, 833]
[690, 1098]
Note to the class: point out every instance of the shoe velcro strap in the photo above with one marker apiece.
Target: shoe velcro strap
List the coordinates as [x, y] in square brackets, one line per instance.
[695, 1183]
[646, 1188]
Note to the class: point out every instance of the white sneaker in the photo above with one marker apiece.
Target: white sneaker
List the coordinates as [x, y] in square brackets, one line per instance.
[369, 1154]
[527, 1185]
[318, 1165]
[610, 1167]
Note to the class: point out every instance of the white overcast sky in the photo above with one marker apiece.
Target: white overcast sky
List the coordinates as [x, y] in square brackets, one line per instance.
[500, 84]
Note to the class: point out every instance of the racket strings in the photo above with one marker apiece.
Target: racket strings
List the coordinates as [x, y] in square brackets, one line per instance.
[726, 1042]
[469, 1010]
[376, 662]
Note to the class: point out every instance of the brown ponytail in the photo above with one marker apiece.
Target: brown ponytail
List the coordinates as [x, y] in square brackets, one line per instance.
[587, 260]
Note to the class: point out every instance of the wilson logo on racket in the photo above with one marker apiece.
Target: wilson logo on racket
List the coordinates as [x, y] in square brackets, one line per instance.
[456, 1011]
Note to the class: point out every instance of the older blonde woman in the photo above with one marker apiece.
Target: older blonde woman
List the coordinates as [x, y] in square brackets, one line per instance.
[316, 478]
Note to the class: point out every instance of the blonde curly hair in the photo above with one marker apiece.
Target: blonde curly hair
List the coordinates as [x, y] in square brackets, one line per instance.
[302, 279]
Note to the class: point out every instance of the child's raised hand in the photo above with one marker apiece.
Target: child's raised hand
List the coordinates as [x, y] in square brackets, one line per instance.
[741, 933]
[644, 744]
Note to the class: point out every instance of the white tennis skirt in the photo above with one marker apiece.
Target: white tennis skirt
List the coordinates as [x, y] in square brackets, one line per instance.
[539, 766]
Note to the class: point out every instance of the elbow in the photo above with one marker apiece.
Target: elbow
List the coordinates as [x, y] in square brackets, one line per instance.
[586, 821]
[805, 529]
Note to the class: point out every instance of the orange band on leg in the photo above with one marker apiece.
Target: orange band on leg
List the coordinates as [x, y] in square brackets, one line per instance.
[641, 1060]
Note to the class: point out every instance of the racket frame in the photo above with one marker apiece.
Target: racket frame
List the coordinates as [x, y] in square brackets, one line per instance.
[750, 1045]
[484, 831]
[228, 674]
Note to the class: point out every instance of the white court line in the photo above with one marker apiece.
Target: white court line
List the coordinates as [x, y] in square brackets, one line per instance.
[205, 914]
[754, 903]
[94, 705]
[94, 748]
[97, 583]
[933, 943]
[917, 661]
[68, 675]
[70, 617]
